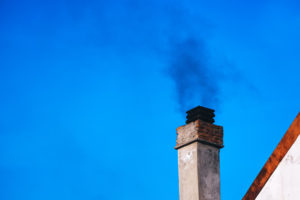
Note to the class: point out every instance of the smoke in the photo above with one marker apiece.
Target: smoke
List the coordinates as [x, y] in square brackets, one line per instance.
[176, 32]
[196, 81]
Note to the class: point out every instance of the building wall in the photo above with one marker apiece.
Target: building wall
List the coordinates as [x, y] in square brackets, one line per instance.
[284, 183]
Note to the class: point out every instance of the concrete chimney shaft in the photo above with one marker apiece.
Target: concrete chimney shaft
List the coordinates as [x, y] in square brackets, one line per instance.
[198, 145]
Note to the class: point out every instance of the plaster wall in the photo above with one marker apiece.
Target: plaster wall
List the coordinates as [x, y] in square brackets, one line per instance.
[199, 172]
[188, 175]
[284, 183]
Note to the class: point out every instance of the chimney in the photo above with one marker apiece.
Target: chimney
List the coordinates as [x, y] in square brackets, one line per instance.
[198, 144]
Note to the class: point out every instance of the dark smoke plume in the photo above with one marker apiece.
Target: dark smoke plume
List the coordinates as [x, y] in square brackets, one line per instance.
[195, 80]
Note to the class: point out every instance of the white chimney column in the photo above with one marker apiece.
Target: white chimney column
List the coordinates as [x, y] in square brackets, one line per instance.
[198, 145]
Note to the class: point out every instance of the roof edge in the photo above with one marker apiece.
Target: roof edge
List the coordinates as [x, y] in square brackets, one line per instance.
[280, 151]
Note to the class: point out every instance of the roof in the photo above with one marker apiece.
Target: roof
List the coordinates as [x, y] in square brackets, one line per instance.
[270, 166]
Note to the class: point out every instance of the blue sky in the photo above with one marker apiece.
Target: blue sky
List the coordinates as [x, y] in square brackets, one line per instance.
[91, 92]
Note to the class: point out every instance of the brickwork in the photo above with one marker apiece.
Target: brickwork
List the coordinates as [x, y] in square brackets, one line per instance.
[200, 131]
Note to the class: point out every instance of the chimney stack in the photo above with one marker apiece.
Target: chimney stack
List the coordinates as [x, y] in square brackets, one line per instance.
[198, 144]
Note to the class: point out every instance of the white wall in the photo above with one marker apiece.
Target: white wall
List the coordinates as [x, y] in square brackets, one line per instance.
[284, 183]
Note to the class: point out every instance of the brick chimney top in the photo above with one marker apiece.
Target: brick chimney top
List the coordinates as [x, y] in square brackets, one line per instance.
[198, 144]
[202, 113]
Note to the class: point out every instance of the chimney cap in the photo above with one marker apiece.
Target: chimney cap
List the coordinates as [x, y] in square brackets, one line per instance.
[202, 113]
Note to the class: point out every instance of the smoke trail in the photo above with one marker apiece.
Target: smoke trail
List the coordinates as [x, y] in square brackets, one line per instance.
[152, 27]
[195, 80]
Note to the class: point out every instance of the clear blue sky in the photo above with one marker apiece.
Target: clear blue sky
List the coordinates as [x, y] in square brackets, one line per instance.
[91, 92]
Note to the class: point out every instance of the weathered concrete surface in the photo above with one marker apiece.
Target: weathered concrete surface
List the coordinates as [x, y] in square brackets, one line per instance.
[284, 183]
[188, 172]
[199, 172]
